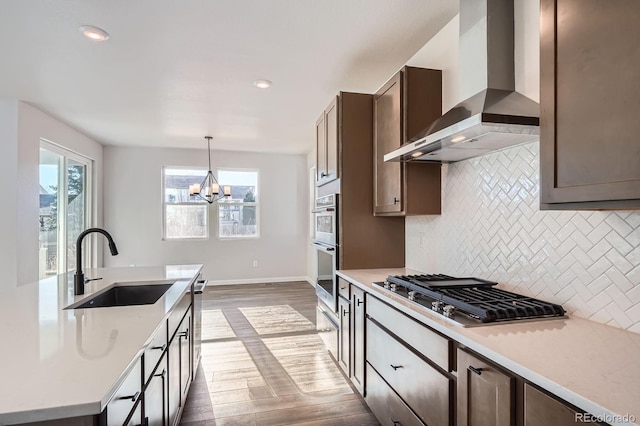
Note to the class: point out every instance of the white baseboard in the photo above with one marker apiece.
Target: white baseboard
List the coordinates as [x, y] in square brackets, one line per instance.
[310, 281]
[258, 280]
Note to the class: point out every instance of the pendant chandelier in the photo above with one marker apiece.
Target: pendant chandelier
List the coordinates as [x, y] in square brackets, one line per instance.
[209, 189]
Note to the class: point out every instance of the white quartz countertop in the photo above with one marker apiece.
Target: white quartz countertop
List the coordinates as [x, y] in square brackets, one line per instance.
[593, 366]
[58, 363]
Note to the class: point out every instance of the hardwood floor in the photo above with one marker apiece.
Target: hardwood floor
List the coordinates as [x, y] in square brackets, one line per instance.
[264, 364]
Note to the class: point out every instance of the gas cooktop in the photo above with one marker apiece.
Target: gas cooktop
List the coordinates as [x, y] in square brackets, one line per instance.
[469, 302]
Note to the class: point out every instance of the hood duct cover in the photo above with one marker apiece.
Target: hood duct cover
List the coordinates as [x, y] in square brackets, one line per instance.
[495, 118]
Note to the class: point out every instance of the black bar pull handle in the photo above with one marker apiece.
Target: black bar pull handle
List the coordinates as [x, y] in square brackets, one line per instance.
[394, 422]
[395, 367]
[478, 371]
[161, 348]
[359, 302]
[133, 397]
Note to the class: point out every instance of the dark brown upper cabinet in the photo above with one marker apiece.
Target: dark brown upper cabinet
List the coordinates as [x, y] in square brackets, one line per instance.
[350, 119]
[404, 106]
[327, 144]
[589, 104]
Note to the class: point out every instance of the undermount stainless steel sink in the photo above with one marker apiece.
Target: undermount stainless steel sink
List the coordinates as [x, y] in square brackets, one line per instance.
[121, 294]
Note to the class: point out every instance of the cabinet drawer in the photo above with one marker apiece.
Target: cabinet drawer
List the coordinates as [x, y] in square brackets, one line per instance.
[424, 389]
[178, 313]
[327, 330]
[154, 350]
[386, 404]
[427, 342]
[125, 397]
[343, 288]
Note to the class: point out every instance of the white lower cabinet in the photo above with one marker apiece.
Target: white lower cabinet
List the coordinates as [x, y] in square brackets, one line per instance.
[156, 396]
[156, 387]
[120, 408]
[136, 417]
[179, 369]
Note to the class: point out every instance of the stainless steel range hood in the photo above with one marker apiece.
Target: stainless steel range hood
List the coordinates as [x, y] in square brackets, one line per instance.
[495, 118]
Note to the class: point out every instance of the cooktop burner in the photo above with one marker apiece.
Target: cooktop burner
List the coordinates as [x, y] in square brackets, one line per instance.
[469, 301]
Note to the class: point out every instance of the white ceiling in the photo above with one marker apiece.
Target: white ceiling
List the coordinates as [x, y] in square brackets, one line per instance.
[174, 71]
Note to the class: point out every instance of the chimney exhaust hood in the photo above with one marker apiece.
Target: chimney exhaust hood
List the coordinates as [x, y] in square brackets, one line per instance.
[497, 117]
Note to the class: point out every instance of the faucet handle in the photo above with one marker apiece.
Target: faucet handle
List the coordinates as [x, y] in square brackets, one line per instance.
[86, 280]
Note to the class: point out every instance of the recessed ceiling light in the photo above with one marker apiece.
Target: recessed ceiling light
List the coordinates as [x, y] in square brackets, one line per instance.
[94, 33]
[262, 84]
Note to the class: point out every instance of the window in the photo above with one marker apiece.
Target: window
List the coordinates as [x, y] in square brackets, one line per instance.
[238, 215]
[65, 200]
[184, 217]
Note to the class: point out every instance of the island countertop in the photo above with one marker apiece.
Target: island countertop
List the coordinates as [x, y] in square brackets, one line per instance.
[59, 363]
[593, 366]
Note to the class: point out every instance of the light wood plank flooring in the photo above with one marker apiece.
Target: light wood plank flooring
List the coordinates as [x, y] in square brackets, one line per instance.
[264, 364]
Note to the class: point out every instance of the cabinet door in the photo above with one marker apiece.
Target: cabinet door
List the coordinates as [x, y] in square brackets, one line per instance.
[321, 149]
[136, 417]
[185, 358]
[174, 377]
[344, 352]
[589, 102]
[331, 126]
[485, 394]
[542, 410]
[357, 337]
[156, 396]
[387, 137]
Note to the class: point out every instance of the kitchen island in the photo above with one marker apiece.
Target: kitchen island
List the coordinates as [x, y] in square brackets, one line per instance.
[592, 366]
[59, 363]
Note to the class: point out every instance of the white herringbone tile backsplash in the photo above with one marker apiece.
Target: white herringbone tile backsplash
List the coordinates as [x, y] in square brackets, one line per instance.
[492, 227]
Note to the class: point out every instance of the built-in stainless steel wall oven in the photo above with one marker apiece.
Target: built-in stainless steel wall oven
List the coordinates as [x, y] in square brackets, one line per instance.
[326, 247]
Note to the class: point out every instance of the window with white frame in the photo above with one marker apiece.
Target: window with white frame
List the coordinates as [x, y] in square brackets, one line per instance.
[184, 217]
[65, 208]
[239, 214]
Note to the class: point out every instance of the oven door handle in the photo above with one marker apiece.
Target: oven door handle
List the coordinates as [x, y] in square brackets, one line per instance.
[323, 209]
[321, 247]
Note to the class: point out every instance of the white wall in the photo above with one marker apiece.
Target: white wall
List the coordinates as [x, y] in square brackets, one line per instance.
[491, 225]
[33, 125]
[21, 128]
[312, 259]
[9, 176]
[133, 215]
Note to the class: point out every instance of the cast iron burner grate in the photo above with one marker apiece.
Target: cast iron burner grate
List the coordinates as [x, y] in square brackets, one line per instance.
[478, 297]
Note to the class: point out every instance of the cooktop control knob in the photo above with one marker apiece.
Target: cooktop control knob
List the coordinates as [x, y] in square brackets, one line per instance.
[437, 306]
[392, 287]
[449, 311]
[386, 284]
[412, 295]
